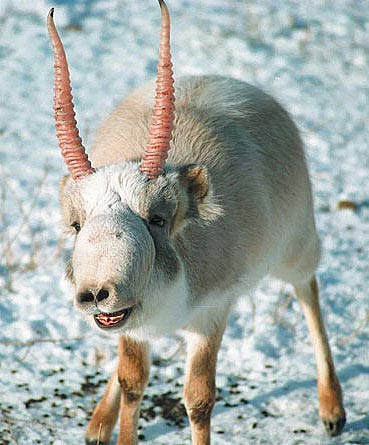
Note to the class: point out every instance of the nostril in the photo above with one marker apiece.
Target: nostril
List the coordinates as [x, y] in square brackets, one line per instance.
[85, 297]
[102, 295]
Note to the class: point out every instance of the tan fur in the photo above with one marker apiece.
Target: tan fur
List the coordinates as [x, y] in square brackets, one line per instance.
[330, 400]
[123, 394]
[133, 375]
[200, 388]
[329, 390]
[105, 414]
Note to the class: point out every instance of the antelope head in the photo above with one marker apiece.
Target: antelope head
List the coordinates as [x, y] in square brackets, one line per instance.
[127, 273]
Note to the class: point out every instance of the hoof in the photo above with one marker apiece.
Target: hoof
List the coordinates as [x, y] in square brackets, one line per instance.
[334, 427]
[95, 442]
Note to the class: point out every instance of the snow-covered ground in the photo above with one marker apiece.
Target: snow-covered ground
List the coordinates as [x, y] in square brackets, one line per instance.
[314, 57]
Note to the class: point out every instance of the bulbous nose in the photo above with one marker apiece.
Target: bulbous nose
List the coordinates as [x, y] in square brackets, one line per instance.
[89, 296]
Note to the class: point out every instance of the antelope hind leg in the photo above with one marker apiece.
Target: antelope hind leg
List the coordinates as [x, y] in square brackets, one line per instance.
[105, 414]
[331, 408]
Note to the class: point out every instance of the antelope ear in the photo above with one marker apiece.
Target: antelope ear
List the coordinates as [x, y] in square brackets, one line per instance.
[64, 199]
[201, 200]
[70, 202]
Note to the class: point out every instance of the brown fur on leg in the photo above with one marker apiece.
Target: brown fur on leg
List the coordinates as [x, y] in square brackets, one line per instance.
[105, 414]
[133, 375]
[200, 389]
[331, 408]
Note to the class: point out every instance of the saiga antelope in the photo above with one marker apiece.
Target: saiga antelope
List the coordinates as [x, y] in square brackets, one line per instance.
[167, 246]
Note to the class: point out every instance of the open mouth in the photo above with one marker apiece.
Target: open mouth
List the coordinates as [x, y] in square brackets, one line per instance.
[114, 319]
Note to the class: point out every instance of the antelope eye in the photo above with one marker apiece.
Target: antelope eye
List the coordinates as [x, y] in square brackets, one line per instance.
[76, 226]
[157, 221]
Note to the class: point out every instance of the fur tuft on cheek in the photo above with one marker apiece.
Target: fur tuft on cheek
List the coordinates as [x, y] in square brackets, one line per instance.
[69, 272]
[209, 210]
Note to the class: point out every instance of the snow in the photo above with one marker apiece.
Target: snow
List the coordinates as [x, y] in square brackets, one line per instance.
[314, 57]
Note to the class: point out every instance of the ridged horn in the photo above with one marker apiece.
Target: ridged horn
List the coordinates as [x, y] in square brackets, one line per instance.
[66, 126]
[163, 114]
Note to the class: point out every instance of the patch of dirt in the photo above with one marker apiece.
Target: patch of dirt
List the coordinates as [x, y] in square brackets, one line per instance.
[170, 408]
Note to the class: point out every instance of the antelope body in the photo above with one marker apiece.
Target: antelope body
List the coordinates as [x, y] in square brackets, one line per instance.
[168, 248]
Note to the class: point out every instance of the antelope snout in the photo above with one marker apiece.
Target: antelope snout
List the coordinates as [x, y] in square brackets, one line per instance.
[88, 296]
[107, 298]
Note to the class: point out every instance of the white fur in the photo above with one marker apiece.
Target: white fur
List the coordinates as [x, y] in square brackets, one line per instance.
[164, 311]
